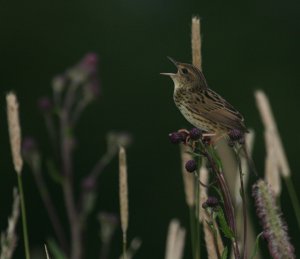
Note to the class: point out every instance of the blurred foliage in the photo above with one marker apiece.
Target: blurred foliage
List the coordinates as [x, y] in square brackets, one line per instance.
[246, 45]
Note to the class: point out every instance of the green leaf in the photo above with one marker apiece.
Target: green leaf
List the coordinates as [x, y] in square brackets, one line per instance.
[223, 224]
[211, 226]
[55, 250]
[193, 154]
[256, 246]
[225, 253]
[219, 193]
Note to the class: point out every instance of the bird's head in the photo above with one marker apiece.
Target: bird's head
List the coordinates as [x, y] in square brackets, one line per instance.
[187, 75]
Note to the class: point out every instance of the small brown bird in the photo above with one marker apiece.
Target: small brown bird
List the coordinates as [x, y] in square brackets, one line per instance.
[201, 106]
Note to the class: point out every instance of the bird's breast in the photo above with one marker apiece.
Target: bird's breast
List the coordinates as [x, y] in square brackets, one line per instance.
[190, 110]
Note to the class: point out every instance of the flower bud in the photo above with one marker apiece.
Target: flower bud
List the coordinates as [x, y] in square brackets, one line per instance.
[191, 166]
[195, 133]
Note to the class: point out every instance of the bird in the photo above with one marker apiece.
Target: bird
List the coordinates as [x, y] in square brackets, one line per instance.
[201, 106]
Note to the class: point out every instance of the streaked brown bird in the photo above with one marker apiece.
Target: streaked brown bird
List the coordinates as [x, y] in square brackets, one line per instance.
[201, 106]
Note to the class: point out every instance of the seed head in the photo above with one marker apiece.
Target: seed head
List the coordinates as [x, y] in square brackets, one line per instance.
[195, 133]
[211, 202]
[275, 230]
[175, 137]
[235, 135]
[191, 166]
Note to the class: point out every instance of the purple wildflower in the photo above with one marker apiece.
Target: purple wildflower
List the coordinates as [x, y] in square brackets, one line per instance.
[191, 166]
[274, 229]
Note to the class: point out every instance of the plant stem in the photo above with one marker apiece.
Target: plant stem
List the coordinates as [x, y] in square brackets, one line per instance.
[228, 204]
[49, 205]
[244, 205]
[124, 245]
[294, 198]
[75, 225]
[196, 218]
[24, 220]
[214, 232]
[192, 226]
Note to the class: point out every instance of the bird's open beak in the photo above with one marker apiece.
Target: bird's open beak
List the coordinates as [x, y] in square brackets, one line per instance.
[168, 74]
[175, 63]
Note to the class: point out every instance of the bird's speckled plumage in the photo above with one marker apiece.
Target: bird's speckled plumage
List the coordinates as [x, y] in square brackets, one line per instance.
[201, 106]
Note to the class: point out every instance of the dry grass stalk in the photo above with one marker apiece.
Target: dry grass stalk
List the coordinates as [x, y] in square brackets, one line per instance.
[14, 130]
[9, 238]
[203, 177]
[272, 175]
[251, 236]
[134, 246]
[270, 125]
[175, 240]
[123, 192]
[196, 42]
[188, 179]
[229, 163]
[46, 251]
[203, 217]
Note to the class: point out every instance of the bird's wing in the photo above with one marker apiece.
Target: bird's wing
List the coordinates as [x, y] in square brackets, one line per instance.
[218, 110]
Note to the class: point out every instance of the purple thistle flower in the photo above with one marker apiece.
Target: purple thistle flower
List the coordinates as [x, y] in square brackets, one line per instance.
[235, 135]
[212, 202]
[195, 134]
[191, 166]
[90, 60]
[274, 229]
[175, 137]
[84, 70]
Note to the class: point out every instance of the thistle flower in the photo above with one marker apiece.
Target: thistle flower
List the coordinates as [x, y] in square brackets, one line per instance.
[191, 166]
[195, 133]
[84, 70]
[175, 137]
[211, 202]
[274, 229]
[236, 135]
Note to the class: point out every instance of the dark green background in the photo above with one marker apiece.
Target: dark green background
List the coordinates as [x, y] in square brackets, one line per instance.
[246, 45]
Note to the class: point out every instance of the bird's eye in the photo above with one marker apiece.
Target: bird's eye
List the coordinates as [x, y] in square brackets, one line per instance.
[184, 71]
